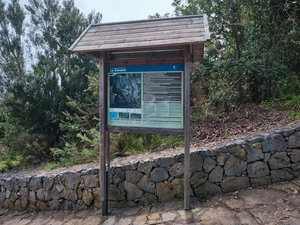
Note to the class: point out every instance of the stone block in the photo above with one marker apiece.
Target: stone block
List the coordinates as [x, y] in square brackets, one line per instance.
[274, 143]
[47, 183]
[146, 184]
[145, 167]
[281, 175]
[159, 174]
[43, 195]
[230, 184]
[208, 164]
[279, 160]
[254, 153]
[133, 192]
[177, 170]
[196, 161]
[207, 188]
[163, 192]
[294, 141]
[35, 183]
[238, 151]
[72, 180]
[90, 181]
[69, 194]
[258, 169]
[133, 176]
[235, 166]
[165, 162]
[261, 181]
[198, 178]
[295, 156]
[87, 197]
[118, 176]
[178, 187]
[216, 175]
[115, 194]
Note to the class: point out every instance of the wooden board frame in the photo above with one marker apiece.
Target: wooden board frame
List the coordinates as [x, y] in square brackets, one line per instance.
[105, 60]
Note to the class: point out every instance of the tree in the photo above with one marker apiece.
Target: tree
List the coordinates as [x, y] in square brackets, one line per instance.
[37, 100]
[249, 56]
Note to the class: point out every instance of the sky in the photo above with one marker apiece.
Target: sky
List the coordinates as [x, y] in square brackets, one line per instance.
[123, 10]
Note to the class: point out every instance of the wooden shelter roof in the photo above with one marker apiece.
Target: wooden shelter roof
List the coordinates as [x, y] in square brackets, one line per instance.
[145, 34]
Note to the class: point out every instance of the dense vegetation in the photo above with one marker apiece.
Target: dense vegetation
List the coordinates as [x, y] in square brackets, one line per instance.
[49, 97]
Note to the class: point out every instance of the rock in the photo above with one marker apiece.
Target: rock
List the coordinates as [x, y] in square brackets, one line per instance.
[133, 192]
[40, 206]
[72, 180]
[163, 192]
[295, 156]
[208, 164]
[7, 193]
[23, 202]
[261, 181]
[279, 160]
[35, 183]
[176, 170]
[165, 162]
[97, 199]
[23, 182]
[59, 187]
[32, 197]
[230, 184]
[281, 175]
[216, 175]
[54, 205]
[43, 195]
[2, 196]
[55, 194]
[294, 141]
[238, 151]
[69, 194]
[146, 184]
[258, 169]
[207, 188]
[24, 192]
[159, 174]
[254, 153]
[133, 176]
[208, 153]
[118, 176]
[148, 198]
[87, 197]
[145, 167]
[235, 166]
[115, 194]
[18, 205]
[178, 187]
[47, 183]
[274, 143]
[68, 205]
[198, 178]
[221, 158]
[90, 181]
[8, 204]
[196, 162]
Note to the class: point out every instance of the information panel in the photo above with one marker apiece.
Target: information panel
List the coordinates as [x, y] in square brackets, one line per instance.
[146, 96]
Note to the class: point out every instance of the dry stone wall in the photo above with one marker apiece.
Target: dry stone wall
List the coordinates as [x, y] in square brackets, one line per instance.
[146, 178]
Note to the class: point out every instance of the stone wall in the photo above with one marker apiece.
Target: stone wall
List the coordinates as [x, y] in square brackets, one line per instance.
[155, 177]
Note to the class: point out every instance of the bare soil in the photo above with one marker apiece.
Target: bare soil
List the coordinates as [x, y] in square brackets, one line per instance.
[246, 120]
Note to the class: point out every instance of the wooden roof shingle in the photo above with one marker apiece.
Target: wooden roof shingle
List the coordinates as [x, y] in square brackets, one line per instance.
[143, 34]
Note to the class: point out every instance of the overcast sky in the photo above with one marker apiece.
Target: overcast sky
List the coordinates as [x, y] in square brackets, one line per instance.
[123, 10]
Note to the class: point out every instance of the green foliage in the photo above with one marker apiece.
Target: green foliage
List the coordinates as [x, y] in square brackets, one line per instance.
[130, 143]
[253, 52]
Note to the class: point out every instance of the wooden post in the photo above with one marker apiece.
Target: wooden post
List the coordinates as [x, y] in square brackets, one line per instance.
[104, 136]
[187, 128]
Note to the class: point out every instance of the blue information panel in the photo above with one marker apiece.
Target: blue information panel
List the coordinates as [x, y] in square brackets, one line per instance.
[146, 96]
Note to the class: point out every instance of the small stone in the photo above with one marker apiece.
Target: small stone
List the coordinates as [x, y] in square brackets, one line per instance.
[159, 174]
[163, 192]
[208, 164]
[72, 180]
[168, 217]
[87, 197]
[40, 206]
[176, 170]
[90, 181]
[133, 192]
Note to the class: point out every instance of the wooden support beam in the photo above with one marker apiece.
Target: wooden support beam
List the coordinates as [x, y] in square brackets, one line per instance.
[187, 128]
[104, 135]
